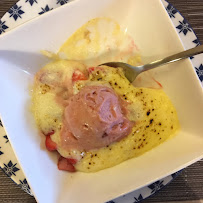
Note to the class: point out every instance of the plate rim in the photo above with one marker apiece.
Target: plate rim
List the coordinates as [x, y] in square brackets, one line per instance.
[181, 41]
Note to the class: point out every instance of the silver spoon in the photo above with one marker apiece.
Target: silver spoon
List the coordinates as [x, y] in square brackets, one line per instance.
[131, 72]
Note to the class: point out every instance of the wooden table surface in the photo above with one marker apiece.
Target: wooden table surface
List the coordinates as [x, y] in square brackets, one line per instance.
[188, 186]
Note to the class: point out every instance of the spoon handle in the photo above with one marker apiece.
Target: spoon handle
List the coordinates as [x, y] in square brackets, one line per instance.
[175, 57]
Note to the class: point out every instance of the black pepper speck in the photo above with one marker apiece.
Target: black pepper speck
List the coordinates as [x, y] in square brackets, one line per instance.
[148, 112]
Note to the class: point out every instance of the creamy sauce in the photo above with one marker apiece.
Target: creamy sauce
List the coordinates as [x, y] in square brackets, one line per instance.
[156, 120]
[155, 117]
[152, 111]
[98, 41]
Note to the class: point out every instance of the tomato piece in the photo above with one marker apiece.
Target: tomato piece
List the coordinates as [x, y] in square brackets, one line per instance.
[91, 69]
[50, 145]
[65, 165]
[78, 75]
[72, 161]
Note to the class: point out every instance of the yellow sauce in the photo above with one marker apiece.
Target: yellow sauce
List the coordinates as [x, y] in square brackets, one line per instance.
[155, 116]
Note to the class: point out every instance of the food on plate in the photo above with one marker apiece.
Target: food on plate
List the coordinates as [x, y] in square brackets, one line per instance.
[98, 41]
[92, 116]
[96, 118]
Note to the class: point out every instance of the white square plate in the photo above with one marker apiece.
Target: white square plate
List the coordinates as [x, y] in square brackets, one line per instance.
[150, 26]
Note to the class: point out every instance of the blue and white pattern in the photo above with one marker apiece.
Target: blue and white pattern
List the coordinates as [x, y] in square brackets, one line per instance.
[10, 169]
[24, 185]
[199, 72]
[44, 10]
[174, 175]
[140, 198]
[1, 151]
[141, 194]
[171, 11]
[16, 12]
[62, 2]
[197, 42]
[26, 10]
[184, 27]
[156, 186]
[6, 138]
[31, 1]
[3, 27]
